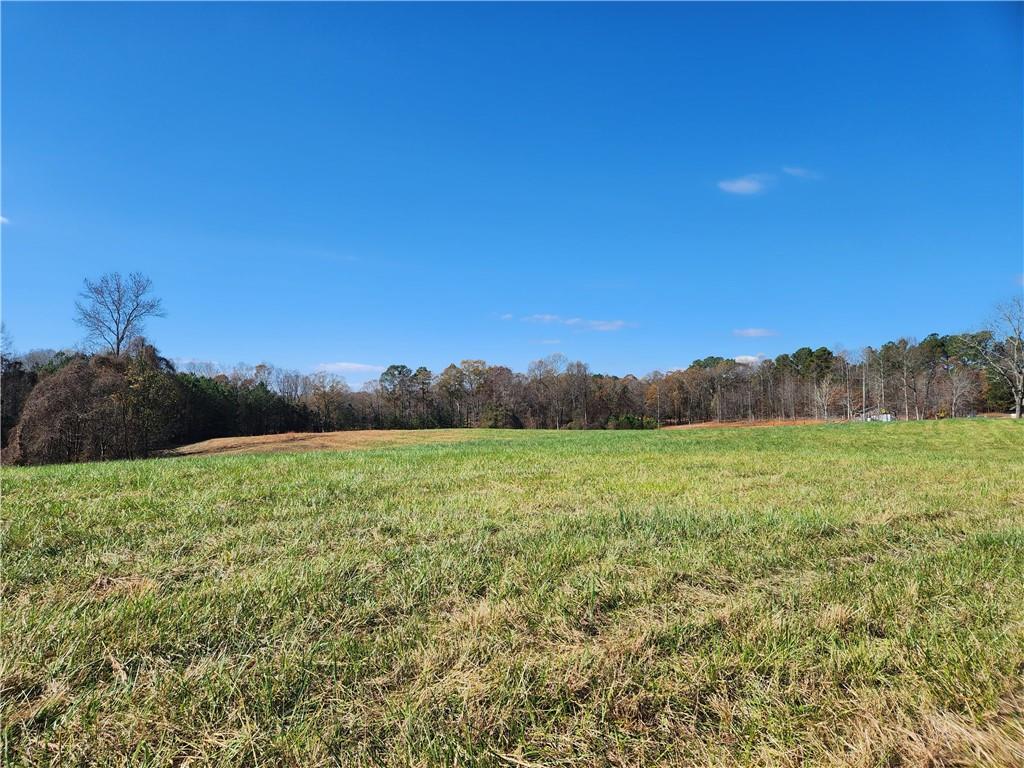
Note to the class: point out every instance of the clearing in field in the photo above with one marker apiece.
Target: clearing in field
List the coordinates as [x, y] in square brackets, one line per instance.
[813, 595]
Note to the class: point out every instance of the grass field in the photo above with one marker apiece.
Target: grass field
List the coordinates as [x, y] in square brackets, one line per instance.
[814, 595]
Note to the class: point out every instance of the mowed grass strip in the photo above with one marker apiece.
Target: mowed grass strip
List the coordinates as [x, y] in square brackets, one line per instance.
[816, 595]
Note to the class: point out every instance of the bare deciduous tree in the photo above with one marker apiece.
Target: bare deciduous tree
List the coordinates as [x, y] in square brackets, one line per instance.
[113, 310]
[1002, 347]
[962, 385]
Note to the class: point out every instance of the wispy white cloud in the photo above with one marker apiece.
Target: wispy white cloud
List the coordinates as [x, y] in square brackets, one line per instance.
[542, 318]
[507, 316]
[3, 219]
[578, 322]
[754, 333]
[349, 368]
[756, 183]
[751, 184]
[801, 173]
[596, 325]
[749, 359]
[549, 341]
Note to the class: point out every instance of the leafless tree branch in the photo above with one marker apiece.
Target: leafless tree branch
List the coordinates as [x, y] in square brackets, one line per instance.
[113, 310]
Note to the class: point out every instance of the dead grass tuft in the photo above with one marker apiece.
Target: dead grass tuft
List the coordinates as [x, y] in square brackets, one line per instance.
[997, 741]
[121, 586]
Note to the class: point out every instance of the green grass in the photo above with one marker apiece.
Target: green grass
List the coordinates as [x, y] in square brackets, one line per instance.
[831, 595]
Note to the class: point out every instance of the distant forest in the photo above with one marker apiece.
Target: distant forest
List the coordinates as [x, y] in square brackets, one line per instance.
[123, 400]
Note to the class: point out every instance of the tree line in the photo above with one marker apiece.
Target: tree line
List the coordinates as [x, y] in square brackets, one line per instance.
[122, 399]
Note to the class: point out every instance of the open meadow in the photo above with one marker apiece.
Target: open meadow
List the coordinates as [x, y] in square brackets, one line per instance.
[847, 594]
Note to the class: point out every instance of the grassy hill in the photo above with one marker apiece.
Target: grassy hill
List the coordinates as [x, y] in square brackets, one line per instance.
[815, 595]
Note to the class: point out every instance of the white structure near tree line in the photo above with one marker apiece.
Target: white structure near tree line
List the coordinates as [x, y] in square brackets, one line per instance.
[876, 414]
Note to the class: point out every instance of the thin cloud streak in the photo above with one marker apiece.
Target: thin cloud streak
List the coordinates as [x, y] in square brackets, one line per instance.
[542, 318]
[801, 173]
[754, 333]
[578, 322]
[756, 183]
[596, 325]
[751, 184]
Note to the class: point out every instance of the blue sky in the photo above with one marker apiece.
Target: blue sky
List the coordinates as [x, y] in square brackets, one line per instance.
[631, 185]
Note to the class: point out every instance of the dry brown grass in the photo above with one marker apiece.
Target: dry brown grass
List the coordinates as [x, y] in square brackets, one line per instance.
[296, 442]
[998, 740]
[105, 586]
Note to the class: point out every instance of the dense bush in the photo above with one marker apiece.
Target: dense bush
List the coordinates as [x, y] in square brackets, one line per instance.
[113, 407]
